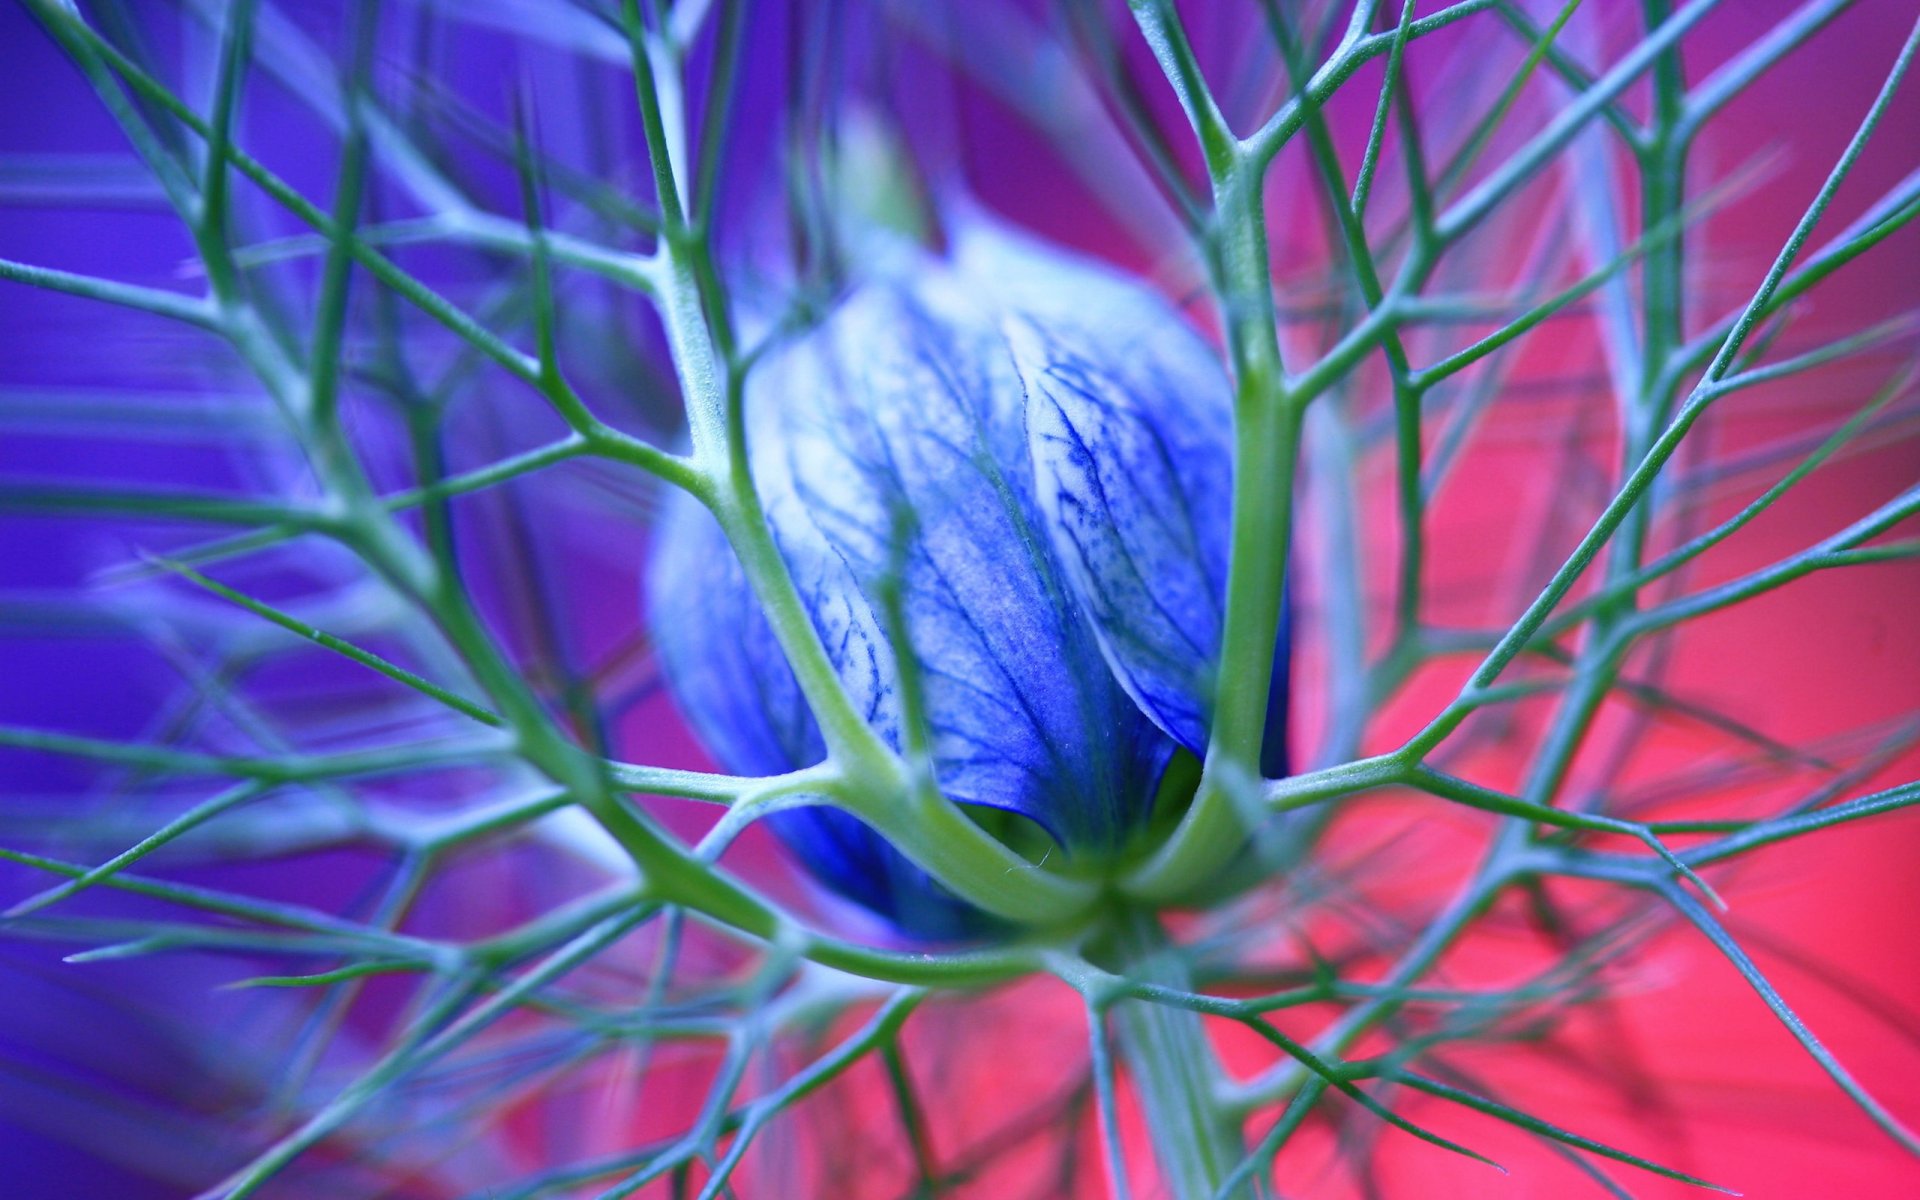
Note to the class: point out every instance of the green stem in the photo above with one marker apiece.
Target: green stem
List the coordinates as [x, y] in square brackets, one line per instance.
[929, 830]
[1173, 1068]
[1267, 435]
[1663, 166]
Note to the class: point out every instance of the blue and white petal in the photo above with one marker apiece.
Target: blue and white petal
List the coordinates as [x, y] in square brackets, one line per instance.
[730, 678]
[1040, 452]
[720, 657]
[894, 437]
[1130, 428]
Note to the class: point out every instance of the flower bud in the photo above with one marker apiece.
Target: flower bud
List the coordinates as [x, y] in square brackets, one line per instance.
[1038, 453]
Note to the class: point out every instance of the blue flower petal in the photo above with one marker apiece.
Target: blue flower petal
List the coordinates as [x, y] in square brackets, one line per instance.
[1042, 450]
[732, 681]
[1130, 428]
[857, 864]
[1276, 760]
[719, 654]
[903, 413]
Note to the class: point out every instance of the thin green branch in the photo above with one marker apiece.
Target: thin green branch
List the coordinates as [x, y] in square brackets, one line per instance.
[171, 305]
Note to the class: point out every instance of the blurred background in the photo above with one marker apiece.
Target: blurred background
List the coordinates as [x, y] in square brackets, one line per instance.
[145, 1075]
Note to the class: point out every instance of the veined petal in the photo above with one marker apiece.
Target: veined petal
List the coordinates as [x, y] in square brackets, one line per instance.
[719, 654]
[732, 681]
[902, 418]
[1038, 453]
[1130, 428]
[859, 865]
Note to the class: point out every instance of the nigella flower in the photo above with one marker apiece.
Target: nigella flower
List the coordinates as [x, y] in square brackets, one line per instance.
[1058, 442]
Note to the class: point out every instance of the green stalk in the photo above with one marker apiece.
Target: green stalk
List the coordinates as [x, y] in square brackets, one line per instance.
[927, 828]
[1174, 1071]
[1266, 454]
